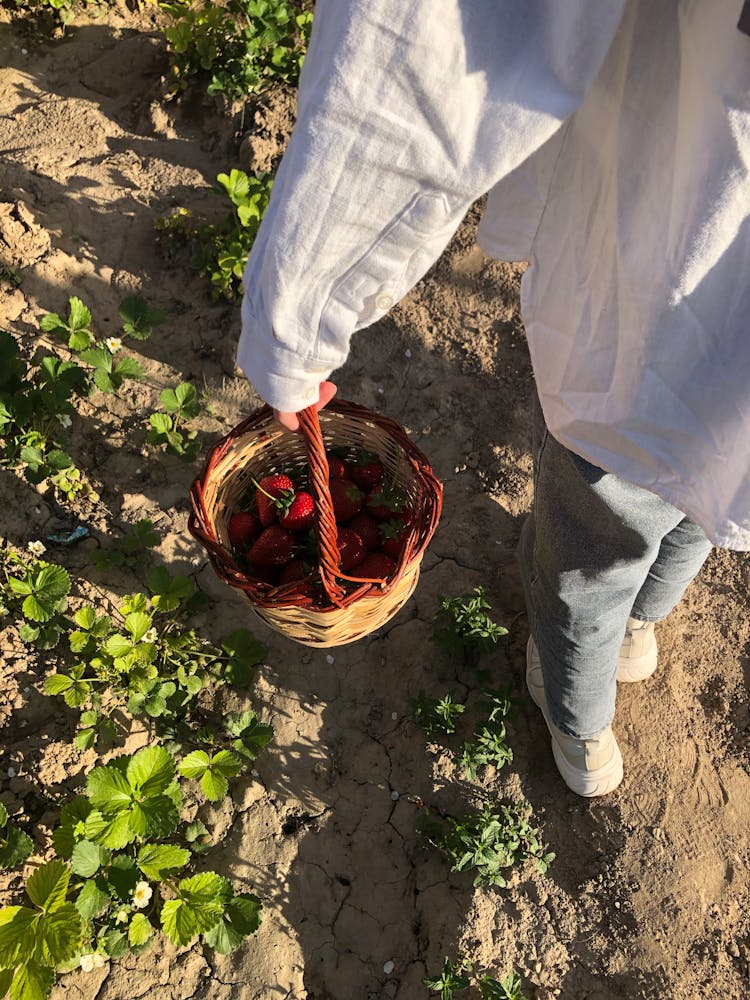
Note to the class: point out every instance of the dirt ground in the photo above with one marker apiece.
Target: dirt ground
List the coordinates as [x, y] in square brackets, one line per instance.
[648, 895]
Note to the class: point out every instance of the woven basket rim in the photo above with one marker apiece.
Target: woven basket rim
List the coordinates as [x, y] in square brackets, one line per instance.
[262, 423]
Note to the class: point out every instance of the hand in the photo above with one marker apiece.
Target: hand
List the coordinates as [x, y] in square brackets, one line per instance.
[291, 421]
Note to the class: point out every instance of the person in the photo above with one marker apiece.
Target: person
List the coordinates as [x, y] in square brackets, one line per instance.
[613, 140]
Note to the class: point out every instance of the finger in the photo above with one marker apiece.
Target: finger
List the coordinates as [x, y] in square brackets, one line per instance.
[327, 392]
[288, 420]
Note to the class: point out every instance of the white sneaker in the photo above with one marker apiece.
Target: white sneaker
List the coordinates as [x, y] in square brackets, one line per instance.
[588, 767]
[638, 652]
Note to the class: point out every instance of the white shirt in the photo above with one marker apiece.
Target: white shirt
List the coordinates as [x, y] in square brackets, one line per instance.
[614, 139]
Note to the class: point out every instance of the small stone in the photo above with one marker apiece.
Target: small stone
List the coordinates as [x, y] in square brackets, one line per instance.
[388, 968]
[537, 968]
[380, 389]
[733, 949]
[394, 716]
[395, 796]
[329, 659]
[617, 904]
[407, 353]
[24, 52]
[12, 772]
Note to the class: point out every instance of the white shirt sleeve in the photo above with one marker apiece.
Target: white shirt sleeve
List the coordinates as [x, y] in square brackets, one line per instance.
[408, 112]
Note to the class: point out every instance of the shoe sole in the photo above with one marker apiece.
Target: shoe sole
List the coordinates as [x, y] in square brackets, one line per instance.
[588, 785]
[637, 668]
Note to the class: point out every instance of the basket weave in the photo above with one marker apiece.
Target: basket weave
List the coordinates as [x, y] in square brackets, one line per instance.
[259, 446]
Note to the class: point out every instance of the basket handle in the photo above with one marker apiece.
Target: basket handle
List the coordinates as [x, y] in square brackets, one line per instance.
[324, 517]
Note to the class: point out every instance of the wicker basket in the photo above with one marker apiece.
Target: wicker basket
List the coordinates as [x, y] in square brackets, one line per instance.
[354, 606]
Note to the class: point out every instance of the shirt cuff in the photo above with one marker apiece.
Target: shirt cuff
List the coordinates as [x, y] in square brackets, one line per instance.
[281, 377]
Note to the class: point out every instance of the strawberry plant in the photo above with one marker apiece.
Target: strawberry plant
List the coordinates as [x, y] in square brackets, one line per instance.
[489, 841]
[167, 426]
[237, 48]
[459, 975]
[38, 592]
[129, 551]
[219, 251]
[144, 666]
[138, 318]
[464, 628]
[122, 873]
[15, 845]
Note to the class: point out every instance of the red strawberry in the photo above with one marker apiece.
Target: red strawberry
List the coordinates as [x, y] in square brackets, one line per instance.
[368, 472]
[300, 514]
[393, 535]
[385, 502]
[351, 549]
[337, 467]
[367, 529]
[274, 547]
[243, 529]
[273, 492]
[297, 569]
[376, 566]
[347, 498]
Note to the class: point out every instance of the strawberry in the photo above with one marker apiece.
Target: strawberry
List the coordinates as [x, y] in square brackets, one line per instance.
[385, 501]
[376, 566]
[273, 492]
[393, 535]
[367, 529]
[274, 547]
[300, 514]
[368, 472]
[337, 467]
[297, 569]
[347, 498]
[351, 549]
[243, 529]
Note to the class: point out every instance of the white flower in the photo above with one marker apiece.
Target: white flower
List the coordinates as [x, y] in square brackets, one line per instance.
[4, 611]
[151, 635]
[37, 548]
[121, 916]
[113, 344]
[64, 419]
[93, 960]
[141, 895]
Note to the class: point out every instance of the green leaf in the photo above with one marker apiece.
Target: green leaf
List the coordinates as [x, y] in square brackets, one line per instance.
[49, 585]
[137, 624]
[161, 422]
[123, 876]
[159, 861]
[87, 858]
[195, 764]
[33, 981]
[155, 817]
[15, 847]
[48, 885]
[138, 318]
[85, 739]
[178, 922]
[129, 368]
[57, 683]
[3, 815]
[206, 893]
[140, 930]
[117, 645]
[151, 770]
[92, 901]
[17, 934]
[245, 652]
[72, 817]
[79, 317]
[53, 323]
[108, 789]
[113, 832]
[114, 943]
[99, 358]
[242, 916]
[61, 932]
[85, 618]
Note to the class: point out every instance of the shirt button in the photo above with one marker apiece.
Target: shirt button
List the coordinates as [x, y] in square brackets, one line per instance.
[383, 301]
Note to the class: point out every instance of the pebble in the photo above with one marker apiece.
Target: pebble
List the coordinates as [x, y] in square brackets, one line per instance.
[329, 659]
[395, 797]
[537, 967]
[733, 949]
[407, 353]
[388, 968]
[12, 772]
[394, 716]
[380, 389]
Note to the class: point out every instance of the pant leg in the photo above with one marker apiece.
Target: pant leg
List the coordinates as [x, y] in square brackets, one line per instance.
[586, 552]
[681, 555]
